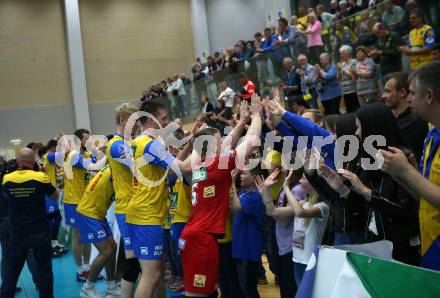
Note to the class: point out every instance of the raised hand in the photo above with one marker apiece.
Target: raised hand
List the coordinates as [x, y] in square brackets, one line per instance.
[288, 179]
[244, 112]
[259, 181]
[332, 178]
[256, 105]
[356, 183]
[395, 162]
[272, 178]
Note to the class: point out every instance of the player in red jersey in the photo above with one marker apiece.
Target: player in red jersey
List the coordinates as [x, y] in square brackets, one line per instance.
[211, 181]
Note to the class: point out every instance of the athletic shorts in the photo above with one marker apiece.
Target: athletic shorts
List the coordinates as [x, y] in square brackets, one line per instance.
[70, 214]
[147, 241]
[200, 259]
[176, 232]
[92, 230]
[123, 229]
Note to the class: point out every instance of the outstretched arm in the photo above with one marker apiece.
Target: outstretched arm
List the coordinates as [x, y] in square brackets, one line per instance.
[252, 137]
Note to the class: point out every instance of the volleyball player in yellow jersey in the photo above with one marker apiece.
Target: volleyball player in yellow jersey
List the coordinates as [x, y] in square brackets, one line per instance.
[119, 159]
[74, 187]
[94, 228]
[146, 209]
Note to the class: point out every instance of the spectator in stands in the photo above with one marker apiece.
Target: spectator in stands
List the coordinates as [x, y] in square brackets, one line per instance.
[248, 87]
[347, 77]
[413, 129]
[420, 41]
[219, 60]
[244, 52]
[227, 95]
[299, 106]
[393, 16]
[334, 8]
[287, 33]
[327, 85]
[343, 9]
[210, 63]
[307, 72]
[291, 81]
[199, 81]
[362, 28]
[342, 35]
[221, 117]
[366, 73]
[206, 108]
[294, 22]
[180, 95]
[269, 41]
[327, 22]
[386, 50]
[146, 96]
[302, 16]
[315, 46]
[187, 98]
[353, 8]
[436, 52]
[258, 40]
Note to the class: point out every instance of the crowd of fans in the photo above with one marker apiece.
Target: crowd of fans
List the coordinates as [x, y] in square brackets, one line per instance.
[302, 71]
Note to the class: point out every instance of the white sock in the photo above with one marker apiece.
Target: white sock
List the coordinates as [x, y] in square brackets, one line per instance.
[79, 269]
[89, 285]
[86, 267]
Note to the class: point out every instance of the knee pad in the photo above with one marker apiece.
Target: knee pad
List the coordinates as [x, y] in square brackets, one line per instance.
[132, 270]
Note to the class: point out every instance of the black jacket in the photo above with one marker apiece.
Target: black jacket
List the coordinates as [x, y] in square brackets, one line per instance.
[413, 131]
[395, 210]
[348, 215]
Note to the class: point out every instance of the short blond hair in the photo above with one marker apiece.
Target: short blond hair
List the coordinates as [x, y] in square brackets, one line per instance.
[124, 111]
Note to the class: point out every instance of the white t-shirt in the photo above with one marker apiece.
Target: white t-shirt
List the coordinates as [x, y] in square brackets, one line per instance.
[306, 237]
[228, 96]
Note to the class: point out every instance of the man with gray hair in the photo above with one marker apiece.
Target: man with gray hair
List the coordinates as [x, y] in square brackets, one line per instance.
[386, 50]
[291, 81]
[307, 72]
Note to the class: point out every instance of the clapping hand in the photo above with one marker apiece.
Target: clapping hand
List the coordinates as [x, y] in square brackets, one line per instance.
[332, 179]
[356, 183]
[395, 162]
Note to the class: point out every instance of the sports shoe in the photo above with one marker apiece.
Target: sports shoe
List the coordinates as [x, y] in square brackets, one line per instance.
[177, 284]
[113, 290]
[82, 277]
[89, 293]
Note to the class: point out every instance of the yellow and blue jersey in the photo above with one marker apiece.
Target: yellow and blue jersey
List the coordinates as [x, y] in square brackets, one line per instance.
[120, 161]
[180, 200]
[429, 215]
[98, 195]
[419, 38]
[26, 191]
[149, 202]
[76, 175]
[51, 170]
